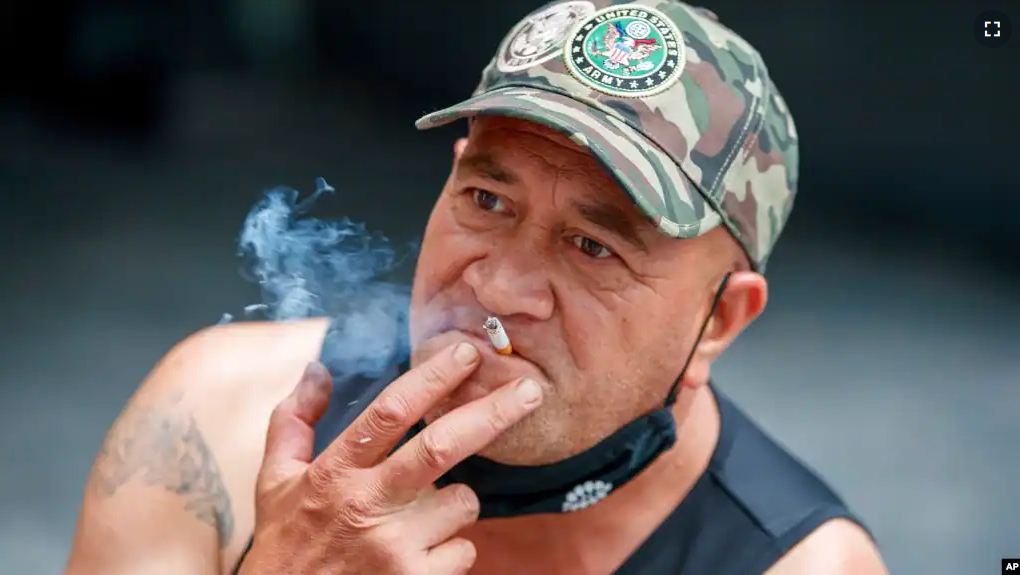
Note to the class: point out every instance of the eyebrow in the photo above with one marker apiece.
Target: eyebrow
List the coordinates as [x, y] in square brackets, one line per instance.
[486, 166]
[611, 219]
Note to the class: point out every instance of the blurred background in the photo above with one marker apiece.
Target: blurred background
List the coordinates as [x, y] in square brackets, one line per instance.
[135, 137]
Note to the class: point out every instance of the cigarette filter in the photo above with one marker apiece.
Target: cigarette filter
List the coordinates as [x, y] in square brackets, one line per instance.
[497, 335]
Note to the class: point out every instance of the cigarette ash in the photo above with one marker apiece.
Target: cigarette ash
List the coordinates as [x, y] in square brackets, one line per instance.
[310, 267]
[497, 336]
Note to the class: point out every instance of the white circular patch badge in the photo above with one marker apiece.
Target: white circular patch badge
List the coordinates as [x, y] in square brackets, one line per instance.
[586, 494]
[626, 52]
[537, 39]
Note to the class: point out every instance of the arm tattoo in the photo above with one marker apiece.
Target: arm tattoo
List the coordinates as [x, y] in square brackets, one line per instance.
[165, 450]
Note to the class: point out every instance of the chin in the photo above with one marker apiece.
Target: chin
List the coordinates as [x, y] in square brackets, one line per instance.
[538, 439]
[535, 440]
[482, 383]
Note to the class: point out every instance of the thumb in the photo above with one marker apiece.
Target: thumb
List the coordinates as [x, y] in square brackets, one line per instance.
[291, 435]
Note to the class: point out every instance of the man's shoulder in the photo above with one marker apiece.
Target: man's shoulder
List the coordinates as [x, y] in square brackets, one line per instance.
[177, 469]
[218, 387]
[236, 347]
[226, 380]
[782, 493]
[806, 521]
[221, 361]
[838, 547]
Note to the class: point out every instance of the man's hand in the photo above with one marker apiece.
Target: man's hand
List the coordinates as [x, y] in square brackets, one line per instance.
[356, 509]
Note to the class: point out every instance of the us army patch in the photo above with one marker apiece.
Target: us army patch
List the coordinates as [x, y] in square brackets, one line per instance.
[537, 39]
[626, 52]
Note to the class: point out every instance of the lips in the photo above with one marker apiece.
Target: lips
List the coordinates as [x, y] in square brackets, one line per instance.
[477, 333]
[462, 325]
[478, 337]
[495, 371]
[455, 324]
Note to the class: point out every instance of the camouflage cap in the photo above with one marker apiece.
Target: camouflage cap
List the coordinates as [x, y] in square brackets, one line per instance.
[679, 109]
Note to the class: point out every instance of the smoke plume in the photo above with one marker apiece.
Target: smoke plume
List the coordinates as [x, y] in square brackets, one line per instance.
[308, 267]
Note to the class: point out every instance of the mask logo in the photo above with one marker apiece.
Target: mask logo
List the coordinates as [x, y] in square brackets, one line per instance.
[538, 38]
[586, 494]
[626, 52]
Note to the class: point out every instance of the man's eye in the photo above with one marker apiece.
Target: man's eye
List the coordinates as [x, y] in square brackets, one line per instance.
[488, 201]
[591, 248]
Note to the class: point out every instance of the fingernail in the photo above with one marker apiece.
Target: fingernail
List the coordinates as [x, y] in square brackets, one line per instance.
[305, 391]
[314, 380]
[465, 354]
[314, 371]
[529, 391]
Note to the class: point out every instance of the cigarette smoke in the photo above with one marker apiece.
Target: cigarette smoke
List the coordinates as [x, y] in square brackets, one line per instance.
[308, 267]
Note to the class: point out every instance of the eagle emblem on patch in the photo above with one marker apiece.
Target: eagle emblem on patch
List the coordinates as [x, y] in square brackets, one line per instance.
[625, 51]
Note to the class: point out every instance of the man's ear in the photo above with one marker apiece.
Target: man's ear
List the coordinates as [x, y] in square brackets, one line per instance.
[741, 303]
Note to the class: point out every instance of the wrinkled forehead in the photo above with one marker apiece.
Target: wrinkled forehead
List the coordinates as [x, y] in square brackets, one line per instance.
[499, 126]
[531, 148]
[510, 135]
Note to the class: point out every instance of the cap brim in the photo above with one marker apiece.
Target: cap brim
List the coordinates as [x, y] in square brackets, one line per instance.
[649, 176]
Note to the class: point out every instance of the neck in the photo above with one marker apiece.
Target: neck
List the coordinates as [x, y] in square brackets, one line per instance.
[599, 538]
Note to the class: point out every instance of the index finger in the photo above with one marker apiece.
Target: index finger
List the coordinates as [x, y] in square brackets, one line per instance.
[402, 404]
[457, 435]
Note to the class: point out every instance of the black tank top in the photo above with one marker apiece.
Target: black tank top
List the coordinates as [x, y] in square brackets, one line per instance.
[752, 505]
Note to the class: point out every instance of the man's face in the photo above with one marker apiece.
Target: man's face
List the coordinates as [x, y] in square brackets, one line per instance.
[601, 308]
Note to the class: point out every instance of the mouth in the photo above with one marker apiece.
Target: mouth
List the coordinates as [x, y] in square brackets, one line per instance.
[476, 334]
[480, 339]
[495, 371]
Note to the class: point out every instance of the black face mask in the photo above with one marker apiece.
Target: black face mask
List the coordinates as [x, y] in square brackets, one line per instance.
[583, 479]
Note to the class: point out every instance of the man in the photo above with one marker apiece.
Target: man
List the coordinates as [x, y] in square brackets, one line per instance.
[620, 191]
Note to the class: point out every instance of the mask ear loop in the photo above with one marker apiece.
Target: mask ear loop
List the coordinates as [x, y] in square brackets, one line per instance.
[671, 398]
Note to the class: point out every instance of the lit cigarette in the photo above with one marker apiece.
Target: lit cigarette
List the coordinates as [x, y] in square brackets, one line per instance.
[497, 335]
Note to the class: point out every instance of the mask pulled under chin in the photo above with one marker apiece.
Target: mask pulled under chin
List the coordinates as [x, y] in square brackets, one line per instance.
[569, 485]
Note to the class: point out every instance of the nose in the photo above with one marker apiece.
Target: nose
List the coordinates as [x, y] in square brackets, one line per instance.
[512, 279]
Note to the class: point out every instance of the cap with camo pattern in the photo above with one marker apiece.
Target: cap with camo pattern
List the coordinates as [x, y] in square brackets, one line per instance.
[679, 109]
